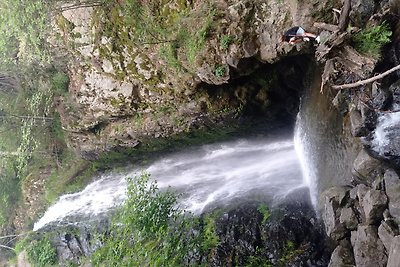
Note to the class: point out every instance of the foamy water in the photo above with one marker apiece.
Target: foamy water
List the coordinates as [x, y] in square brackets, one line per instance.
[387, 122]
[209, 176]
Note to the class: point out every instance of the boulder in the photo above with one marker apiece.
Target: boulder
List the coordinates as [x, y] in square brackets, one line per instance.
[387, 231]
[394, 253]
[348, 218]
[361, 10]
[374, 203]
[342, 256]
[330, 215]
[337, 193]
[356, 123]
[361, 190]
[368, 249]
[392, 187]
[366, 167]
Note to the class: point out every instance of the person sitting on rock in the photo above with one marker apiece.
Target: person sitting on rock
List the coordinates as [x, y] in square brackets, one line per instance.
[298, 34]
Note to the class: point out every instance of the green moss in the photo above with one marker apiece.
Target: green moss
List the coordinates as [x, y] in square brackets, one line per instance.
[64, 24]
[264, 210]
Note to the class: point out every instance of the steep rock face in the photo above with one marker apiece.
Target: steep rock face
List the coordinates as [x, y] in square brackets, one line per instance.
[122, 92]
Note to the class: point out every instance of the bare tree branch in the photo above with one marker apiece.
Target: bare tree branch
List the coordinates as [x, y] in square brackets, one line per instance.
[366, 81]
[7, 247]
[344, 15]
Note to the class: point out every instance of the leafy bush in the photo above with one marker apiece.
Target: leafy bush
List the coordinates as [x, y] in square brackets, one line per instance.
[370, 40]
[42, 253]
[210, 238]
[148, 230]
[60, 82]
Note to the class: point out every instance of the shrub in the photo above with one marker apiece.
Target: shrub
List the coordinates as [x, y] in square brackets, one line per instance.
[42, 252]
[60, 82]
[148, 230]
[370, 40]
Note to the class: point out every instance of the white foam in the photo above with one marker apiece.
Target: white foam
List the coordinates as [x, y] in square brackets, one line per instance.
[211, 174]
[386, 123]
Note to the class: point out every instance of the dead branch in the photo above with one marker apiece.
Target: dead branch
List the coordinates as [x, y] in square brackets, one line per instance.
[326, 26]
[344, 15]
[366, 81]
[7, 247]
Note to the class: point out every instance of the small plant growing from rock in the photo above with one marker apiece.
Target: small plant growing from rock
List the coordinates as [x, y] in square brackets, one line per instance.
[226, 40]
[370, 40]
[220, 71]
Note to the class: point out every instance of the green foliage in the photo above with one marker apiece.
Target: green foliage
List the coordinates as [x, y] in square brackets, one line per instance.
[148, 230]
[9, 191]
[60, 82]
[370, 40]
[264, 210]
[225, 41]
[210, 239]
[220, 71]
[289, 252]
[42, 253]
[23, 26]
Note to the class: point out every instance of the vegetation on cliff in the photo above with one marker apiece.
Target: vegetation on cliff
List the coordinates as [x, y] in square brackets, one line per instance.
[150, 229]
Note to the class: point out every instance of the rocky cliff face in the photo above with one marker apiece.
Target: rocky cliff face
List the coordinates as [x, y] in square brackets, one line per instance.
[362, 216]
[124, 91]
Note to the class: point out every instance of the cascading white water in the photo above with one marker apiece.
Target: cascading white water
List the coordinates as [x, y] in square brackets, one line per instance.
[209, 176]
[387, 123]
[305, 154]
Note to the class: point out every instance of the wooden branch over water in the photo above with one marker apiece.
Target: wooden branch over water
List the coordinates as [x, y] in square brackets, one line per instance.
[366, 81]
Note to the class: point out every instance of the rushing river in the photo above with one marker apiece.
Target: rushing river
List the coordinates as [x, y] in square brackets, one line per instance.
[258, 168]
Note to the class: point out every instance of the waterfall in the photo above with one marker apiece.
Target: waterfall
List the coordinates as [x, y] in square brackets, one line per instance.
[304, 150]
[254, 169]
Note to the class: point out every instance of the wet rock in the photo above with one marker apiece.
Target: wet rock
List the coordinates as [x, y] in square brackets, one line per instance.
[337, 193]
[384, 141]
[357, 126]
[291, 236]
[381, 98]
[387, 231]
[342, 256]
[348, 218]
[366, 167]
[374, 203]
[361, 10]
[330, 215]
[368, 249]
[361, 190]
[392, 188]
[394, 253]
[341, 101]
